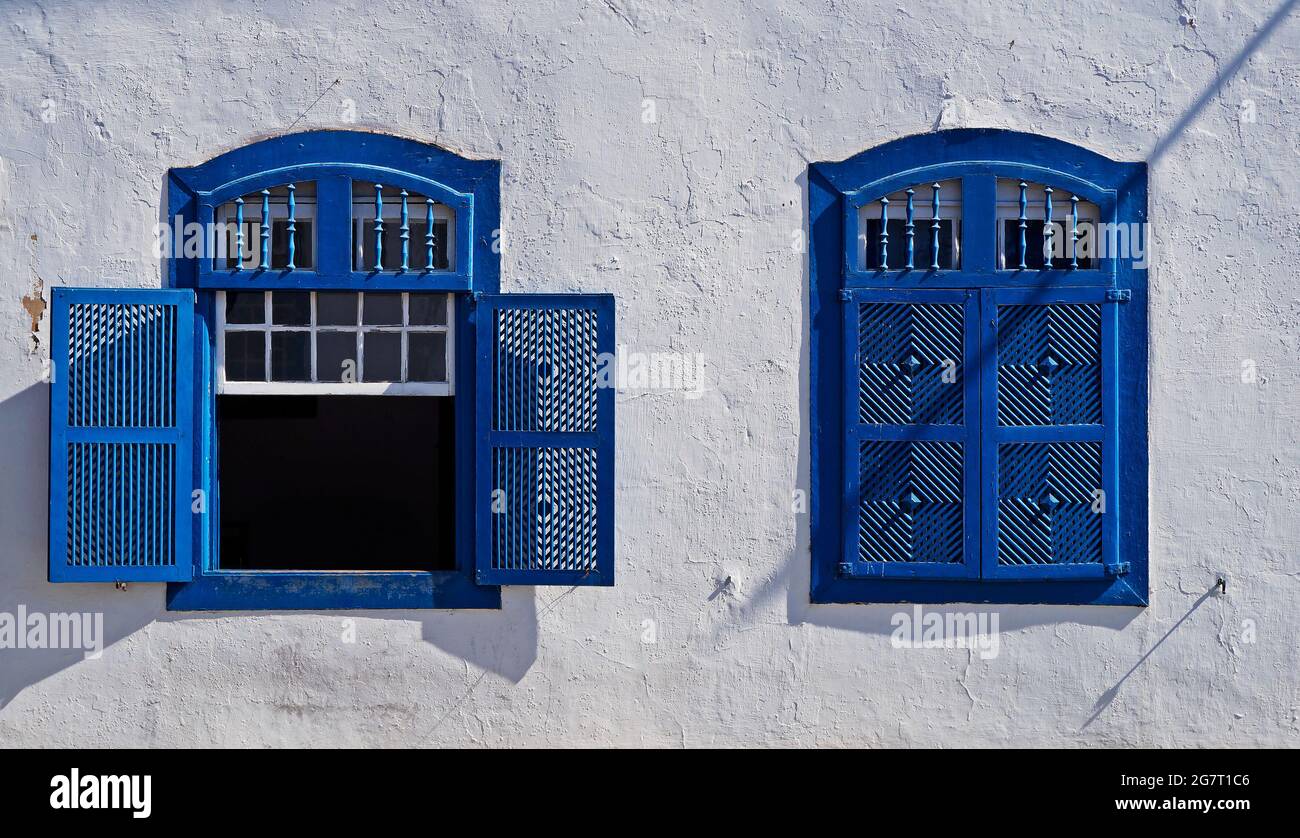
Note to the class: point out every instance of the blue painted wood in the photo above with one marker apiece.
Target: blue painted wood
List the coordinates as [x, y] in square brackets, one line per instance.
[468, 187]
[1074, 232]
[911, 230]
[428, 234]
[979, 227]
[213, 589]
[979, 243]
[405, 233]
[121, 435]
[292, 227]
[265, 228]
[239, 232]
[934, 229]
[906, 430]
[379, 227]
[836, 190]
[545, 439]
[1048, 231]
[471, 188]
[1051, 529]
[330, 591]
[884, 234]
[1024, 225]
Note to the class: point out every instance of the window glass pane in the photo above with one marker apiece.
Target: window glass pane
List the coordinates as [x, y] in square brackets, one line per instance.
[382, 309]
[291, 356]
[382, 359]
[336, 356]
[252, 229]
[245, 307]
[922, 245]
[1034, 246]
[246, 356]
[291, 308]
[392, 245]
[302, 243]
[428, 309]
[441, 261]
[427, 356]
[336, 308]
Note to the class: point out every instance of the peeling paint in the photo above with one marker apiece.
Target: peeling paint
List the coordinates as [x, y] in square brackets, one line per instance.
[35, 305]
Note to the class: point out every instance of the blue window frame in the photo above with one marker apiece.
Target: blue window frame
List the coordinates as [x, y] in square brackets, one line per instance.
[978, 370]
[134, 492]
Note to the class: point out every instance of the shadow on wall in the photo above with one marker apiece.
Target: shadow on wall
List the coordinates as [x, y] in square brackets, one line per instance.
[503, 642]
[795, 575]
[24, 458]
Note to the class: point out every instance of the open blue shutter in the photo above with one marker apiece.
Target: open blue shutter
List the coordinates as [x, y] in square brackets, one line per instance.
[1050, 434]
[545, 439]
[121, 435]
[911, 435]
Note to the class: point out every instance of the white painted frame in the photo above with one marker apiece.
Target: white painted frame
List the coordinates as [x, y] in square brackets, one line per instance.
[337, 388]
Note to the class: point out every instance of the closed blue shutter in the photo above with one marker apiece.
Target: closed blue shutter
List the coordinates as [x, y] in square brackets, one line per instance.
[911, 434]
[121, 435]
[1050, 440]
[545, 439]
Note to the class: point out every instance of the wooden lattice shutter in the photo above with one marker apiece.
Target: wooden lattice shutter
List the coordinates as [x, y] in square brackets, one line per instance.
[121, 435]
[545, 447]
[1050, 440]
[911, 435]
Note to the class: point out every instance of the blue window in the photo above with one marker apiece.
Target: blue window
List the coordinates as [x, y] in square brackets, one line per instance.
[978, 372]
[332, 406]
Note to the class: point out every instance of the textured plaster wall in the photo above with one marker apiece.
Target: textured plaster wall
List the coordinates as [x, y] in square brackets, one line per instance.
[690, 221]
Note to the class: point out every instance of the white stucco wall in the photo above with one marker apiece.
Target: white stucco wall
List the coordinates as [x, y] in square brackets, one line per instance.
[689, 221]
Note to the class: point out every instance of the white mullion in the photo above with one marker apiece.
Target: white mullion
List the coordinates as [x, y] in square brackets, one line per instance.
[361, 310]
[221, 341]
[449, 348]
[311, 301]
[402, 343]
[266, 325]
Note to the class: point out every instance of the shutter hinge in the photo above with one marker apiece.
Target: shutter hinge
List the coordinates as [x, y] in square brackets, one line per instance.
[865, 570]
[1118, 295]
[1117, 569]
[846, 295]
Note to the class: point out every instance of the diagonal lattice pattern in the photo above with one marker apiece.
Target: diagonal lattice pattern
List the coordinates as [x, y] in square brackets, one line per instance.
[1049, 365]
[910, 505]
[121, 366]
[545, 370]
[1046, 492]
[909, 364]
[544, 517]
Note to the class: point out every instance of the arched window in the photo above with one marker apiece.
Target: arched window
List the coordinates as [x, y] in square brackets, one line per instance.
[332, 406]
[978, 373]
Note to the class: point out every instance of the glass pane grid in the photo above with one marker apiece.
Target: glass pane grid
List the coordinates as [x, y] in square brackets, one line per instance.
[305, 336]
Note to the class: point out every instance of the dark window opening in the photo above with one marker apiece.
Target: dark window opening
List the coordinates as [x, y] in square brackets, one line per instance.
[336, 483]
[1036, 246]
[922, 244]
[417, 254]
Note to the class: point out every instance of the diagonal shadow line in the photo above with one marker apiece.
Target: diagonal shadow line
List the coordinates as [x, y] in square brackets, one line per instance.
[1247, 50]
[1109, 695]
